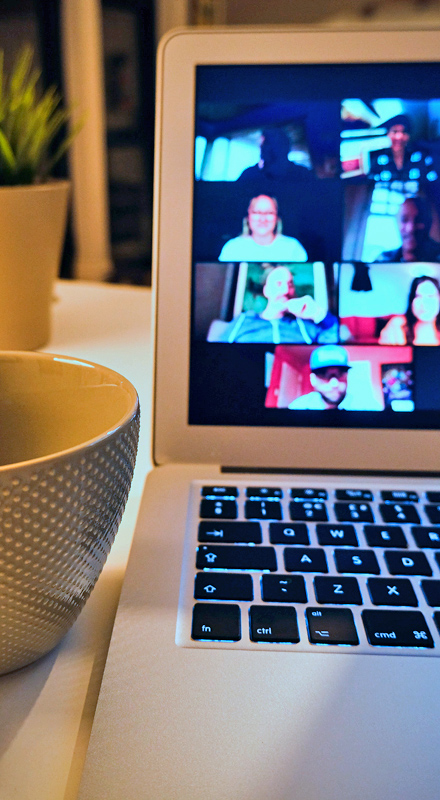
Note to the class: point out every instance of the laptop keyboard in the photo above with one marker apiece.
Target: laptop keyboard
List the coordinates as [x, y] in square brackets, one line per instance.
[312, 568]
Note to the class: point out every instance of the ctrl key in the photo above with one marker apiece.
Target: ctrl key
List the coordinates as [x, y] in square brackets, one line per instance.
[397, 629]
[216, 622]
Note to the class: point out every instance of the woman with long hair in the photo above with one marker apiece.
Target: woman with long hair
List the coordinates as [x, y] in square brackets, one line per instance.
[420, 325]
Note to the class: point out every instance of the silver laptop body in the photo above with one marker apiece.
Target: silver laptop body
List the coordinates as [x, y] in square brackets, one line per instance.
[185, 712]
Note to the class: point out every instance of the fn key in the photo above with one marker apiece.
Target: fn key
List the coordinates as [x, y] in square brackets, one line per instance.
[216, 622]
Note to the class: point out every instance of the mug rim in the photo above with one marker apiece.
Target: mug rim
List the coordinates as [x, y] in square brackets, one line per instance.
[22, 355]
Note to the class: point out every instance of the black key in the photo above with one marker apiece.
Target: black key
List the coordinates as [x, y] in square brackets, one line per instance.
[354, 494]
[431, 590]
[340, 591]
[436, 617]
[221, 586]
[390, 592]
[336, 534]
[293, 533]
[437, 558]
[410, 562]
[355, 512]
[359, 561]
[239, 557]
[308, 510]
[399, 496]
[216, 622]
[305, 559]
[263, 509]
[385, 536]
[283, 589]
[273, 624]
[331, 626]
[219, 491]
[263, 492]
[398, 512]
[397, 629]
[425, 536]
[220, 509]
[243, 532]
[309, 494]
[433, 514]
[433, 497]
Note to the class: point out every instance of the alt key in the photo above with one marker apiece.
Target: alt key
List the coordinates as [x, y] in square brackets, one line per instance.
[331, 626]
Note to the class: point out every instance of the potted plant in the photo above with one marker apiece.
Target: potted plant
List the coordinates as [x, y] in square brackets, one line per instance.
[33, 206]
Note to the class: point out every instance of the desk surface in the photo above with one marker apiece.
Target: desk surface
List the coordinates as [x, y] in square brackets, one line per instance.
[47, 709]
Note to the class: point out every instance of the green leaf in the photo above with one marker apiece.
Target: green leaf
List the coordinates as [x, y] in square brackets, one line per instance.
[6, 151]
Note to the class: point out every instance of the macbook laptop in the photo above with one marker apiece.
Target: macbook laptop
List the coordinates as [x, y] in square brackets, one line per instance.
[278, 631]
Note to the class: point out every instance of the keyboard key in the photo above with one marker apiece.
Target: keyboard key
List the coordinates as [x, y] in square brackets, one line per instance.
[431, 590]
[436, 617]
[308, 510]
[336, 534]
[216, 622]
[437, 558]
[399, 496]
[359, 561]
[410, 562]
[283, 589]
[397, 629]
[273, 624]
[219, 491]
[385, 536]
[341, 591]
[433, 514]
[425, 536]
[222, 509]
[263, 492]
[238, 557]
[242, 532]
[433, 497]
[221, 586]
[263, 509]
[331, 626]
[354, 494]
[355, 512]
[389, 592]
[398, 512]
[300, 559]
[309, 494]
[290, 533]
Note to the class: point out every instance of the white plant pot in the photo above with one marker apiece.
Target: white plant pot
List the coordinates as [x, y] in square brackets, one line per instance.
[32, 228]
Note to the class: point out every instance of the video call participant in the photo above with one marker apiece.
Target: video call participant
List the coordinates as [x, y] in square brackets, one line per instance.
[274, 164]
[400, 162]
[420, 325]
[329, 368]
[286, 318]
[414, 221]
[262, 239]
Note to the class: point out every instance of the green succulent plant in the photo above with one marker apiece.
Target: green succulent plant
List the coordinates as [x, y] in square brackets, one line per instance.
[32, 137]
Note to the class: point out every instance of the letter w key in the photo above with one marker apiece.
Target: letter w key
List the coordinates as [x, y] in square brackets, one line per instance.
[340, 534]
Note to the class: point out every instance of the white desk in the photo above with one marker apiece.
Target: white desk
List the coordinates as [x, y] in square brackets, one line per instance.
[46, 709]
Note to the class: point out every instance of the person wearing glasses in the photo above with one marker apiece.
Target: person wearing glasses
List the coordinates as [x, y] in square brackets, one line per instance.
[261, 238]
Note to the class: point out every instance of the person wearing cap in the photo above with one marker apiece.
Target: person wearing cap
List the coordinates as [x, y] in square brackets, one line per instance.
[329, 368]
[400, 162]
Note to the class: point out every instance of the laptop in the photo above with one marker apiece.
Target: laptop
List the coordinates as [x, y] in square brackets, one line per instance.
[278, 633]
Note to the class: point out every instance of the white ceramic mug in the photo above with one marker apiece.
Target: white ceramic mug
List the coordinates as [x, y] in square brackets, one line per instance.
[68, 440]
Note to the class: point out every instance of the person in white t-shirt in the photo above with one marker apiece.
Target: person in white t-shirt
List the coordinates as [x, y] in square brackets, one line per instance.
[262, 239]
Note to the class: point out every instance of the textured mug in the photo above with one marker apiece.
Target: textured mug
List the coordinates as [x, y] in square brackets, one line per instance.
[68, 440]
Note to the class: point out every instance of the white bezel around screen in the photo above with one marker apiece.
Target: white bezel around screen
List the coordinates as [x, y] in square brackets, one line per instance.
[174, 439]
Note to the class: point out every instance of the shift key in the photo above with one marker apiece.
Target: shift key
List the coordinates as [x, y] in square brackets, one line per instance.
[236, 557]
[397, 629]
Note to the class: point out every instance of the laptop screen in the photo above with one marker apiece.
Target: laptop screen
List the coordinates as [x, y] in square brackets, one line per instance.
[316, 246]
